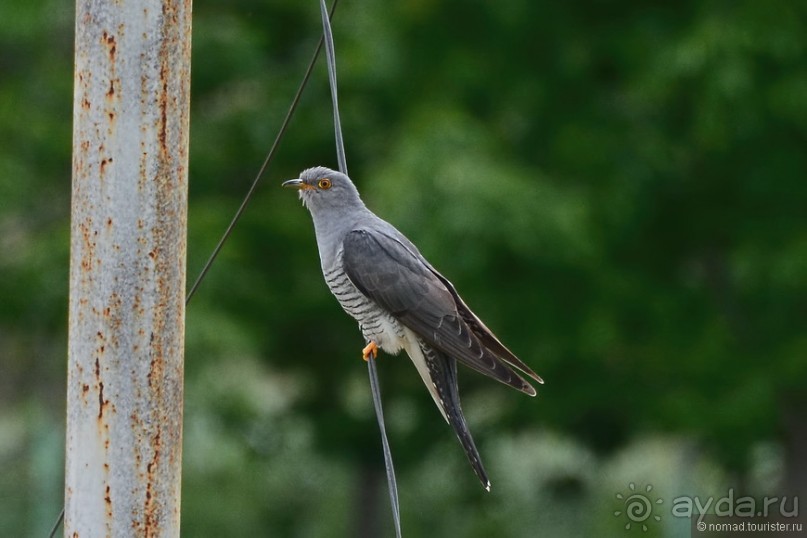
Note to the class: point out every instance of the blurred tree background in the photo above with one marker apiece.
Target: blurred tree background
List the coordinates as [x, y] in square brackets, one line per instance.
[619, 189]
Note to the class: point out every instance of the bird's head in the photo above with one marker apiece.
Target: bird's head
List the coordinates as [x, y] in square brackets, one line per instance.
[322, 190]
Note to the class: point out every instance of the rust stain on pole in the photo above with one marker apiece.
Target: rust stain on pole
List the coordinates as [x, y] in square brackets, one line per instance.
[127, 271]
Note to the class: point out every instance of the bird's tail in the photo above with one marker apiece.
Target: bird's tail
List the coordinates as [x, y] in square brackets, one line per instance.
[443, 373]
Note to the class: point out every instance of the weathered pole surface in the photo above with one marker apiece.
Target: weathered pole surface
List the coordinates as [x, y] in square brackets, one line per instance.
[127, 268]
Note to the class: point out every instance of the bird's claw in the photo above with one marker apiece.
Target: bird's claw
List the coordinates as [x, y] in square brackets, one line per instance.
[369, 349]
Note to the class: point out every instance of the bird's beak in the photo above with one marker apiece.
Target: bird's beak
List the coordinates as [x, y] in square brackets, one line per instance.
[294, 184]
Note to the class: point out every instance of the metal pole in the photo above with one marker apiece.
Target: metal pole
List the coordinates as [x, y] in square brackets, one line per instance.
[127, 268]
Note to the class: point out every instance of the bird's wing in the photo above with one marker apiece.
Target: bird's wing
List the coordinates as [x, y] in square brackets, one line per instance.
[485, 335]
[392, 275]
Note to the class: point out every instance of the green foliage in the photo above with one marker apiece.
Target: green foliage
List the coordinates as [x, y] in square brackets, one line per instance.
[618, 189]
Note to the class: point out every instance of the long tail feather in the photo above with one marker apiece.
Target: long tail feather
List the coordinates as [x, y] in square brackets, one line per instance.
[443, 371]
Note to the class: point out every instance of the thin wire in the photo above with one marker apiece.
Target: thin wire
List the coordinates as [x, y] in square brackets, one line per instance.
[56, 525]
[331, 56]
[379, 414]
[269, 157]
[371, 366]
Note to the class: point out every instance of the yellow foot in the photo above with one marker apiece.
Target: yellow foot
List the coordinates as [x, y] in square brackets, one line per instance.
[369, 349]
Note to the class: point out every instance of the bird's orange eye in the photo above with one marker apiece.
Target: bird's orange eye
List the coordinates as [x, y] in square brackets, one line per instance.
[324, 183]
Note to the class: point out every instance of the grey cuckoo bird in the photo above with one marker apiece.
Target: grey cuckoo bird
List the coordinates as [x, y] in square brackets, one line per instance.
[401, 301]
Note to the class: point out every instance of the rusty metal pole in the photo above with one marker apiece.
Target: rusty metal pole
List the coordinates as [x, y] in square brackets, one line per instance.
[127, 268]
